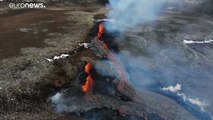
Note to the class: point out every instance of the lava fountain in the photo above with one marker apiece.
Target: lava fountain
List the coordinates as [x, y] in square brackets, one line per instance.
[89, 81]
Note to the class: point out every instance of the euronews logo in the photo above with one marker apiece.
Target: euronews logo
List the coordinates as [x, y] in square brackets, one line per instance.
[27, 5]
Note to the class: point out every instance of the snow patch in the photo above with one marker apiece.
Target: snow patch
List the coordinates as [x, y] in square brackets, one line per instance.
[86, 45]
[62, 56]
[106, 20]
[24, 29]
[210, 41]
[57, 57]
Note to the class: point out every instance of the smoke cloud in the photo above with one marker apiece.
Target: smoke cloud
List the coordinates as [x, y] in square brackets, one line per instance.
[131, 13]
[173, 88]
[163, 60]
[59, 101]
[196, 101]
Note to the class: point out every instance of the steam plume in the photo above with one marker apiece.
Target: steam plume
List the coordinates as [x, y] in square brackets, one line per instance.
[130, 13]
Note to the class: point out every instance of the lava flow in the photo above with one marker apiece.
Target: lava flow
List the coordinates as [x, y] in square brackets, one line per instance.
[100, 30]
[100, 33]
[89, 81]
[112, 57]
[105, 51]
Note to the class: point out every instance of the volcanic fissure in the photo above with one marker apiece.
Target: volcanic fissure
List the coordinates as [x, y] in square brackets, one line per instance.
[102, 82]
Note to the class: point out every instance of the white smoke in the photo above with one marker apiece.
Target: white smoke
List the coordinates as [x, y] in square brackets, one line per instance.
[131, 13]
[162, 64]
[196, 101]
[60, 104]
[173, 88]
[105, 68]
[210, 41]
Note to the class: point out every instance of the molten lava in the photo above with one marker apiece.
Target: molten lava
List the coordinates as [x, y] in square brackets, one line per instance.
[89, 81]
[102, 46]
[100, 33]
[87, 68]
[100, 30]
[88, 85]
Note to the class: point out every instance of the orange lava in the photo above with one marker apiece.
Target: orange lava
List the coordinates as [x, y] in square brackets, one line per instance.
[87, 68]
[100, 30]
[100, 33]
[89, 81]
[105, 45]
[115, 60]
